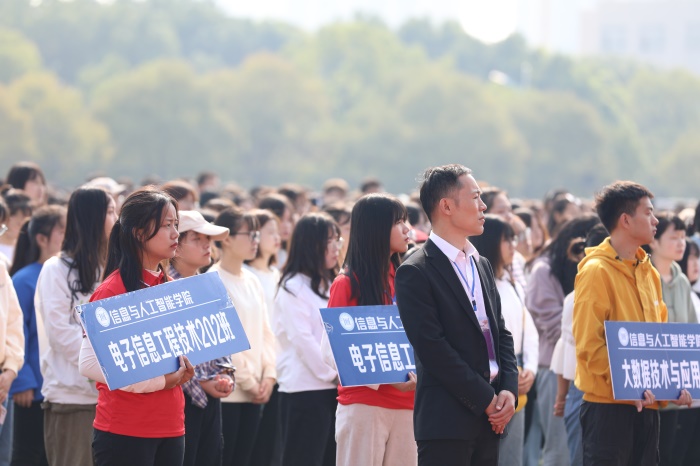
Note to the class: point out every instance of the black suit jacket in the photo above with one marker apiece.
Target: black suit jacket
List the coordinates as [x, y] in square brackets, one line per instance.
[452, 363]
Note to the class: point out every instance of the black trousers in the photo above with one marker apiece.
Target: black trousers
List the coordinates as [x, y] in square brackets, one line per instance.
[267, 450]
[240, 423]
[668, 422]
[616, 434]
[308, 427]
[203, 439]
[122, 450]
[482, 450]
[28, 436]
[686, 445]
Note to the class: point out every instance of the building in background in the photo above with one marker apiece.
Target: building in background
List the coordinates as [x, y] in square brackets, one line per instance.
[663, 32]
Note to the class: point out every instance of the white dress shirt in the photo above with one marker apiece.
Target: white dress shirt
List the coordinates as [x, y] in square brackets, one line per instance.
[460, 260]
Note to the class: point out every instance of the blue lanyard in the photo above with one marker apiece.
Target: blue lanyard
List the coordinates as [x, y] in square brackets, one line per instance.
[392, 298]
[473, 296]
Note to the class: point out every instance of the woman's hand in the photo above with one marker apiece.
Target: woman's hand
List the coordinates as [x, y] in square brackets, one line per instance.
[180, 376]
[265, 391]
[525, 380]
[220, 386]
[407, 386]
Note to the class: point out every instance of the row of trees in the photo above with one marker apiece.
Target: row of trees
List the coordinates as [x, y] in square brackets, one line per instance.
[172, 87]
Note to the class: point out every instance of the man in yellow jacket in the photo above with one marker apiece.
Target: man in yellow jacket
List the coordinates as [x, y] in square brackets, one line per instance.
[617, 282]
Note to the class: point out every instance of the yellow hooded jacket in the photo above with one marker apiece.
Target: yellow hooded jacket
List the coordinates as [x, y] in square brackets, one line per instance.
[609, 288]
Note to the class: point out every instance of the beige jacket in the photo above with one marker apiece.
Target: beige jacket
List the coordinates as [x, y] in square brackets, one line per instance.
[11, 325]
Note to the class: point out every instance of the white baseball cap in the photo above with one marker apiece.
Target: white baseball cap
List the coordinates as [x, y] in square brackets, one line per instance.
[193, 220]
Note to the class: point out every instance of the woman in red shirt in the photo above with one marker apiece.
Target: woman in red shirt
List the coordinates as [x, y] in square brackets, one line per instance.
[374, 424]
[143, 423]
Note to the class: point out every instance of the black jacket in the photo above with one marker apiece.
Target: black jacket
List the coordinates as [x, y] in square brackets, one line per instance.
[452, 363]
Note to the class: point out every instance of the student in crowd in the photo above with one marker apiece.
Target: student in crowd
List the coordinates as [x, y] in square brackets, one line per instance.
[183, 192]
[374, 424]
[143, 423]
[341, 211]
[551, 279]
[563, 208]
[497, 244]
[11, 354]
[28, 177]
[497, 203]
[307, 381]
[616, 281]
[690, 265]
[263, 266]
[280, 206]
[667, 248]
[64, 282]
[569, 398]
[40, 239]
[686, 450]
[255, 368]
[19, 209]
[211, 381]
[538, 232]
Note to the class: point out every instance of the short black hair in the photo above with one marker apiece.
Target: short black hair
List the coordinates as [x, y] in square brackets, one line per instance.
[438, 183]
[621, 197]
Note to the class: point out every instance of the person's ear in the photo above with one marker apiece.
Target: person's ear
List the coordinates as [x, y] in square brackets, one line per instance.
[446, 206]
[42, 240]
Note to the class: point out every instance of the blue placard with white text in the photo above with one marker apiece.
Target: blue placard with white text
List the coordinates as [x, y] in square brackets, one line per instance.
[661, 357]
[369, 344]
[140, 335]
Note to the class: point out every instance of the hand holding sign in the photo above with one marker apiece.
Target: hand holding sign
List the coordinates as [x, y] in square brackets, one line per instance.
[181, 376]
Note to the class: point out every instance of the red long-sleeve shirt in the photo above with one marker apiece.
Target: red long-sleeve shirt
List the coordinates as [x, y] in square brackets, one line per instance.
[159, 414]
[386, 396]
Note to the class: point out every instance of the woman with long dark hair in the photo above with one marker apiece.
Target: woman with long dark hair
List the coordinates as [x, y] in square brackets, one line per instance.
[307, 380]
[497, 244]
[39, 240]
[255, 368]
[551, 279]
[142, 423]
[374, 424]
[64, 282]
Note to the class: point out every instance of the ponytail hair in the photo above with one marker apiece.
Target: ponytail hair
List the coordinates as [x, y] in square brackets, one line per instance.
[42, 222]
[139, 221]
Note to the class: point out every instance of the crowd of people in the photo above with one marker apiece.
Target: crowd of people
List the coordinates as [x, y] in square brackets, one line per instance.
[285, 252]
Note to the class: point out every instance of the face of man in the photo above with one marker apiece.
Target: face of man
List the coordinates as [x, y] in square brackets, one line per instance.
[467, 208]
[642, 225]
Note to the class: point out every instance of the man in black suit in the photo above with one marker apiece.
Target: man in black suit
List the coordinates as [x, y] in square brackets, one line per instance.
[451, 311]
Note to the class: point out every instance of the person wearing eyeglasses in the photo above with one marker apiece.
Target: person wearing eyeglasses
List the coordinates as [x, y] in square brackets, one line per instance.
[255, 368]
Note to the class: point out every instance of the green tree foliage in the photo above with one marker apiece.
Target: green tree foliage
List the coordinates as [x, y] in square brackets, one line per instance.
[17, 55]
[172, 87]
[63, 132]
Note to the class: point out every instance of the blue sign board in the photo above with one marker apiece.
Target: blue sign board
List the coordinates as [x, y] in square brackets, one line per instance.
[140, 335]
[663, 358]
[369, 344]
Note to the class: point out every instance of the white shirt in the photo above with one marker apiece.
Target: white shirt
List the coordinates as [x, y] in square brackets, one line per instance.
[269, 279]
[564, 355]
[467, 278]
[303, 362]
[61, 336]
[258, 362]
[519, 322]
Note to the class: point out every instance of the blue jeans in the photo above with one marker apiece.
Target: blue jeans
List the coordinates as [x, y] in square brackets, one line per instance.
[572, 411]
[556, 450]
